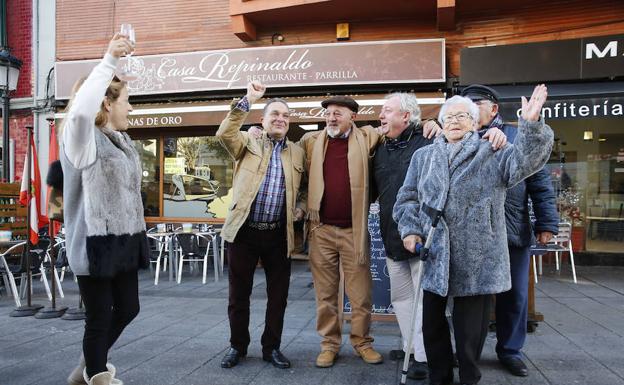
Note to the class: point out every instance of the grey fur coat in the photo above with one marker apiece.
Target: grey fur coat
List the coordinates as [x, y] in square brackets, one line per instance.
[469, 253]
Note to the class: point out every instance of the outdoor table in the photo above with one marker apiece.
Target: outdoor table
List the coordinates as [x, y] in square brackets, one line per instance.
[591, 220]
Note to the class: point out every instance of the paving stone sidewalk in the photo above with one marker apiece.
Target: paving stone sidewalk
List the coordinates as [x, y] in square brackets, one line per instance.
[182, 332]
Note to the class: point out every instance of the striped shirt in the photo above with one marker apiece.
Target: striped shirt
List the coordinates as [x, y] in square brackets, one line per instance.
[271, 198]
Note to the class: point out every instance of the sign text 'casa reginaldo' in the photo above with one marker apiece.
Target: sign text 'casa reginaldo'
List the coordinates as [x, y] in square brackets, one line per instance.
[381, 62]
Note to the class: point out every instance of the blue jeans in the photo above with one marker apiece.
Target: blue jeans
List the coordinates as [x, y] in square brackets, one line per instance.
[512, 306]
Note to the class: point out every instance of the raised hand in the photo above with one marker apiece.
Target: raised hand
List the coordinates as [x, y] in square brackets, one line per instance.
[532, 109]
[120, 46]
[255, 90]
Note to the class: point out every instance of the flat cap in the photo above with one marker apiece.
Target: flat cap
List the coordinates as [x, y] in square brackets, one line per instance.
[344, 101]
[478, 92]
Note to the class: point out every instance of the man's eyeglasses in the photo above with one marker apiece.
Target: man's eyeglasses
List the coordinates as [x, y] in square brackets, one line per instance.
[460, 117]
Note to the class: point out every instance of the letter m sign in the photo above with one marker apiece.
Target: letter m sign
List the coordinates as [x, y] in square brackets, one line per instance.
[592, 49]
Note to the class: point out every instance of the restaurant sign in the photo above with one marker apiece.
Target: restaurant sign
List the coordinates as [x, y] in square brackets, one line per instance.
[578, 108]
[380, 62]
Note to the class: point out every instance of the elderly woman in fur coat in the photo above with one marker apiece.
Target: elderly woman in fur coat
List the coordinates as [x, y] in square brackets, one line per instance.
[460, 175]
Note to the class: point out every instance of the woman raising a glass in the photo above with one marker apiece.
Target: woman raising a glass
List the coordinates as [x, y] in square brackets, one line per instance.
[103, 211]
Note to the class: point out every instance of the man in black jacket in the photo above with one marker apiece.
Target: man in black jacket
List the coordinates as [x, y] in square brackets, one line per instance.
[400, 121]
[512, 306]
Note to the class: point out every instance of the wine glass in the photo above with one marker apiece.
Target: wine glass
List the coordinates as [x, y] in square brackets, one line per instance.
[127, 72]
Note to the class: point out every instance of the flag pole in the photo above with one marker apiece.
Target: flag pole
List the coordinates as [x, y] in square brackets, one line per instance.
[28, 309]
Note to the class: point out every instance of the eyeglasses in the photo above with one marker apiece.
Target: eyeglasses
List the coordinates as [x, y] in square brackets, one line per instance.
[460, 117]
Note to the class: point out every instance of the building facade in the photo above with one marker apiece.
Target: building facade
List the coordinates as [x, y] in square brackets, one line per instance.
[192, 57]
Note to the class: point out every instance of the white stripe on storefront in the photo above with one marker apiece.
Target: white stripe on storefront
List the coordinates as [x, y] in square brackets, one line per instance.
[257, 106]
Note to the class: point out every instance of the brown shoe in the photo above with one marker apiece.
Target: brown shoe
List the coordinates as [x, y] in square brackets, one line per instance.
[369, 355]
[326, 359]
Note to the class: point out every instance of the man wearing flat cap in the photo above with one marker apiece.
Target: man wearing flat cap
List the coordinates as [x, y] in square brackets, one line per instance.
[338, 203]
[512, 306]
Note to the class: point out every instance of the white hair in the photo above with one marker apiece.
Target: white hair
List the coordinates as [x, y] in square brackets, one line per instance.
[473, 109]
[407, 103]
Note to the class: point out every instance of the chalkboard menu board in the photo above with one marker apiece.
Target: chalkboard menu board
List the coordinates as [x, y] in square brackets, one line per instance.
[379, 270]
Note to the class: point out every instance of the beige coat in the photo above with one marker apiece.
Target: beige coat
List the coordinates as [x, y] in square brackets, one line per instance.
[252, 157]
[362, 144]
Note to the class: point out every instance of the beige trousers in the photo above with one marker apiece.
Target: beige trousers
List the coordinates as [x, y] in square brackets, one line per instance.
[329, 247]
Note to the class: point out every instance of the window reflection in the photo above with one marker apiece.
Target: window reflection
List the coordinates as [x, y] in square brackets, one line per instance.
[197, 178]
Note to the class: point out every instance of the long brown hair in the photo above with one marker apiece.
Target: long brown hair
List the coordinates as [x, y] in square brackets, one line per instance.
[112, 93]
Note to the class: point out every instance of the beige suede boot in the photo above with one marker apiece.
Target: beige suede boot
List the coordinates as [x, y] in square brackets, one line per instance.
[103, 378]
[76, 376]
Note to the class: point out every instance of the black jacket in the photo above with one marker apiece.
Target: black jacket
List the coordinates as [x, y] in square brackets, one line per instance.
[389, 169]
[538, 187]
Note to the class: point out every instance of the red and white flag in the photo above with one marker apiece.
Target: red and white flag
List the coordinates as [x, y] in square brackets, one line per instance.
[34, 196]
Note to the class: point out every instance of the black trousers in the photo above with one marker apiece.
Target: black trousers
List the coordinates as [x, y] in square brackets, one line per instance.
[110, 305]
[470, 324]
[271, 247]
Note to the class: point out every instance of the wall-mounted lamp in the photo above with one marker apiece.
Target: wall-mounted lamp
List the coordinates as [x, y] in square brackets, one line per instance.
[342, 31]
[9, 73]
[277, 36]
[588, 135]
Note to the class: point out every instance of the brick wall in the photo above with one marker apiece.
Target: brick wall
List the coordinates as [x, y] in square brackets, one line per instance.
[17, 132]
[19, 29]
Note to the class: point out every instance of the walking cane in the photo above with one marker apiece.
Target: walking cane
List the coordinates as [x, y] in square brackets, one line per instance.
[423, 254]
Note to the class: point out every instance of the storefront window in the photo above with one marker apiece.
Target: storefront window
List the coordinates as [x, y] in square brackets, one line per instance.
[588, 172]
[197, 178]
[188, 174]
[149, 151]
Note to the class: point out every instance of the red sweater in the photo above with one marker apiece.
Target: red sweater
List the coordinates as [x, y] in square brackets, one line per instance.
[336, 202]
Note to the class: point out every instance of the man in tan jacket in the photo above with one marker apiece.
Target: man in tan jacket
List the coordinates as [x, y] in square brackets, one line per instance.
[338, 203]
[267, 174]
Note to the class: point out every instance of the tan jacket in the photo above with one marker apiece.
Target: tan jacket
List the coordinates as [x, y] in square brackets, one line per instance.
[252, 157]
[361, 147]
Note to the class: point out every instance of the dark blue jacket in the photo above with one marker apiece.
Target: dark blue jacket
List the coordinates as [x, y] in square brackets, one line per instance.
[539, 188]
